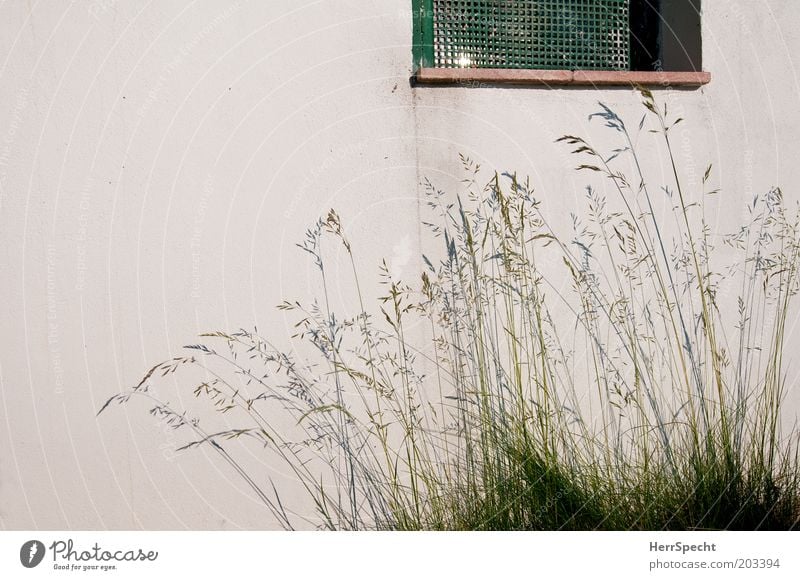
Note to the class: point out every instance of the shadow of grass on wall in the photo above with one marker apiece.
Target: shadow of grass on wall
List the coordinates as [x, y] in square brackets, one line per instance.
[616, 376]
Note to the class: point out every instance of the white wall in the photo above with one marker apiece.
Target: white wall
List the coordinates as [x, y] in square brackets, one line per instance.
[158, 162]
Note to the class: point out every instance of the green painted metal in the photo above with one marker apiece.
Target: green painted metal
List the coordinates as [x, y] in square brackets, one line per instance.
[538, 34]
[423, 33]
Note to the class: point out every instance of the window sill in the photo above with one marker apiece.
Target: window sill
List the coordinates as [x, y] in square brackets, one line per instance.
[548, 78]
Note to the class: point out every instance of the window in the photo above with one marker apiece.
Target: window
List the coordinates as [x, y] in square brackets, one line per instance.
[457, 38]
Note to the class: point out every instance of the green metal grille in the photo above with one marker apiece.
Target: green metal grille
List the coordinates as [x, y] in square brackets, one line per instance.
[541, 34]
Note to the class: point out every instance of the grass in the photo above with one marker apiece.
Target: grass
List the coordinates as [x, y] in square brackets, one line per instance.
[614, 377]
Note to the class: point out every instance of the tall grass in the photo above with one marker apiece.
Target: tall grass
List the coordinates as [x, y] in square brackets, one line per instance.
[643, 393]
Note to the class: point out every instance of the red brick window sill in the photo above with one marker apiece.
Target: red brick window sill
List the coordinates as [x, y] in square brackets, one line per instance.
[584, 78]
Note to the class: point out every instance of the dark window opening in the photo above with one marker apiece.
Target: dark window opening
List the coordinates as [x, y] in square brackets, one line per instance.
[665, 35]
[645, 34]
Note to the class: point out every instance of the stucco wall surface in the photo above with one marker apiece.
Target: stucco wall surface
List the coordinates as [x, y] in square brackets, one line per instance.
[160, 160]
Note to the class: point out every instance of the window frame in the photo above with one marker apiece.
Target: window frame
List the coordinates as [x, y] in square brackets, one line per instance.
[426, 73]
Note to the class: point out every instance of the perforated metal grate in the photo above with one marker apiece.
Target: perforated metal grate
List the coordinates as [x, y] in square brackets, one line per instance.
[543, 34]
